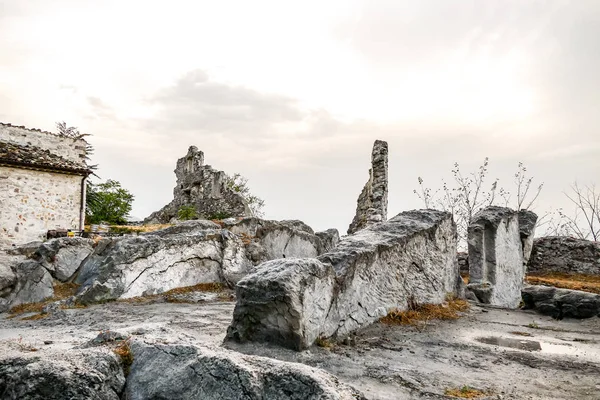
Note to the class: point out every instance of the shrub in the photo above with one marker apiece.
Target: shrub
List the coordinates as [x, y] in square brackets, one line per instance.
[187, 212]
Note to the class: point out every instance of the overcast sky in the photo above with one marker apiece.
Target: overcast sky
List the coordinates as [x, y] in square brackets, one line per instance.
[293, 94]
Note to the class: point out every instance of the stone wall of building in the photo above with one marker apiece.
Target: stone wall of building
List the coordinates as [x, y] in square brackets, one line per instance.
[69, 148]
[32, 202]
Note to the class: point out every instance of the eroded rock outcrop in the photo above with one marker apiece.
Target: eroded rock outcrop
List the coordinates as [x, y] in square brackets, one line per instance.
[61, 257]
[561, 303]
[94, 374]
[187, 372]
[203, 188]
[189, 253]
[566, 255]
[151, 264]
[373, 200]
[496, 270]
[410, 258]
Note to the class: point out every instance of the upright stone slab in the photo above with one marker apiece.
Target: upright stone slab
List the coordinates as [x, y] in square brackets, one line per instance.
[373, 200]
[292, 302]
[496, 257]
[527, 221]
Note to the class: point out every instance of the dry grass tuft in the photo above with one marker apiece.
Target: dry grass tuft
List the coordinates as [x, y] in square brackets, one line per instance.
[324, 342]
[35, 317]
[213, 287]
[465, 392]
[418, 313]
[585, 283]
[246, 239]
[28, 308]
[64, 290]
[123, 350]
[519, 333]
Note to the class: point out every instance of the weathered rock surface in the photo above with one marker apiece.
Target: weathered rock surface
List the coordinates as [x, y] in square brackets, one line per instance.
[57, 375]
[560, 254]
[496, 270]
[32, 284]
[188, 372]
[151, 264]
[561, 303]
[185, 228]
[463, 262]
[279, 239]
[329, 239]
[382, 267]
[373, 200]
[63, 256]
[527, 223]
[202, 187]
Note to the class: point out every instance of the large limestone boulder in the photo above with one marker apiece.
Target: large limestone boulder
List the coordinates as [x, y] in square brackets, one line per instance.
[55, 375]
[278, 239]
[179, 372]
[63, 256]
[566, 255]
[373, 200]
[561, 303]
[151, 264]
[329, 239]
[410, 258]
[496, 271]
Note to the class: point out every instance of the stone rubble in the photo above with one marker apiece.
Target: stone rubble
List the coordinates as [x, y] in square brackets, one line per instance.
[561, 303]
[292, 302]
[373, 200]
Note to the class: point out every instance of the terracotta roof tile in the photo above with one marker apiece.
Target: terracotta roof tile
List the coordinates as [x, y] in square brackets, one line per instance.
[36, 158]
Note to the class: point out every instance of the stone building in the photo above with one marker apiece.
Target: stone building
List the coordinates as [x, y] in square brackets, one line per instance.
[203, 188]
[42, 183]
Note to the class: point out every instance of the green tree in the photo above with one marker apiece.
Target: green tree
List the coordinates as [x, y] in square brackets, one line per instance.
[239, 184]
[107, 202]
[187, 212]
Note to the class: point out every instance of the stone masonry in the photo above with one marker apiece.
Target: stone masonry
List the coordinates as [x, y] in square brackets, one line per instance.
[373, 200]
[41, 180]
[202, 187]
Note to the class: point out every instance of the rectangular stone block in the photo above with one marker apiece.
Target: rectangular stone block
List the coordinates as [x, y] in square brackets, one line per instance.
[292, 302]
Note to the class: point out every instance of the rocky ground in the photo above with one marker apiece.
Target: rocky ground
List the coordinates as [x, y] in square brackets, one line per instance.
[507, 354]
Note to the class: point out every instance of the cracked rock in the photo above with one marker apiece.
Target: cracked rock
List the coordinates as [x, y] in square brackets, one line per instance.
[292, 302]
[188, 372]
[93, 374]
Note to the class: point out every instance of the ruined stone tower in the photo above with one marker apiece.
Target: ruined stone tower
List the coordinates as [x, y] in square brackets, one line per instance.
[202, 187]
[373, 200]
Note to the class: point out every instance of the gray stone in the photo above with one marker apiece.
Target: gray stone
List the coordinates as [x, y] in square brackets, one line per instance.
[373, 200]
[329, 239]
[496, 270]
[56, 375]
[202, 187]
[186, 372]
[560, 254]
[292, 302]
[63, 256]
[462, 258]
[151, 264]
[561, 303]
[33, 284]
[527, 223]
[270, 240]
[27, 249]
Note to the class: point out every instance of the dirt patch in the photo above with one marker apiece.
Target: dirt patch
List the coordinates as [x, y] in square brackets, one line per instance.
[466, 392]
[417, 314]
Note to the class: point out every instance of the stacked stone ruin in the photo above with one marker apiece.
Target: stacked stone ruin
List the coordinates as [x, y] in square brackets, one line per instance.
[373, 200]
[203, 188]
